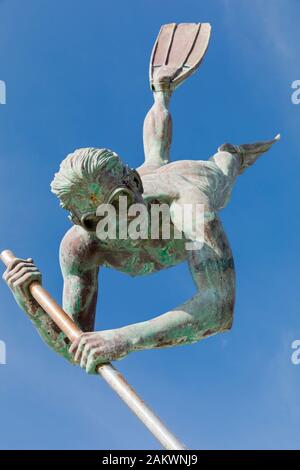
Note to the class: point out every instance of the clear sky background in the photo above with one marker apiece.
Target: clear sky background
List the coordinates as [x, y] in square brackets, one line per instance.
[77, 76]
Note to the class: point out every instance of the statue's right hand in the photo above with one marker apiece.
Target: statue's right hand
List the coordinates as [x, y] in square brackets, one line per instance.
[19, 274]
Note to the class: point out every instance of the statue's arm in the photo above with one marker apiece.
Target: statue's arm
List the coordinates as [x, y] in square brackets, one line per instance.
[208, 312]
[80, 290]
[18, 276]
[80, 274]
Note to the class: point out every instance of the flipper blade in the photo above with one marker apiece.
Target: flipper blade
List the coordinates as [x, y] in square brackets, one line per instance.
[178, 52]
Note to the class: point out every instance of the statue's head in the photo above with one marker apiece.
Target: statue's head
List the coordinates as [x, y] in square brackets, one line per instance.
[89, 177]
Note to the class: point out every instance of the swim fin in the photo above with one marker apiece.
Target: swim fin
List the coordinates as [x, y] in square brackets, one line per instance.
[249, 153]
[177, 53]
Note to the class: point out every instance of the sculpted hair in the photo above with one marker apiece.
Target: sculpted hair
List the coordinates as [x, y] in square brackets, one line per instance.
[82, 168]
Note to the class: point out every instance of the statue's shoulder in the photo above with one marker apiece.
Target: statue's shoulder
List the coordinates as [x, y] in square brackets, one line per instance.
[79, 247]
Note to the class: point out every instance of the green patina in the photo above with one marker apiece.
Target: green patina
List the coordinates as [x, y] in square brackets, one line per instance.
[88, 177]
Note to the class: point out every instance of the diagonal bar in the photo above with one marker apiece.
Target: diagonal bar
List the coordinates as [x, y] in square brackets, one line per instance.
[107, 371]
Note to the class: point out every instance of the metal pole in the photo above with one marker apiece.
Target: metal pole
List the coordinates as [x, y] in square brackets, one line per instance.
[108, 372]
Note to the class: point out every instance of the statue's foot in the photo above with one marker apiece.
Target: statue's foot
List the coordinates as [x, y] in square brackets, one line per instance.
[249, 153]
[177, 53]
[163, 78]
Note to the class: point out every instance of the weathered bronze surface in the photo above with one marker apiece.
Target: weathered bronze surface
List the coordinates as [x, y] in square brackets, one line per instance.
[107, 371]
[89, 177]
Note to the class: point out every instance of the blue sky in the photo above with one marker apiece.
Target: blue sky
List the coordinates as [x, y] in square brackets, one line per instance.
[77, 76]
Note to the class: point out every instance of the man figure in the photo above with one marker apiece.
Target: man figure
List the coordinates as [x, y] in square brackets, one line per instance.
[90, 177]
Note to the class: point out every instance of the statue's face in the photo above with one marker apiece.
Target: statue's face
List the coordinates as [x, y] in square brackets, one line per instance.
[83, 210]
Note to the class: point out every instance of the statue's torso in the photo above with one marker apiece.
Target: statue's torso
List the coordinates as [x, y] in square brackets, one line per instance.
[167, 184]
[164, 185]
[145, 256]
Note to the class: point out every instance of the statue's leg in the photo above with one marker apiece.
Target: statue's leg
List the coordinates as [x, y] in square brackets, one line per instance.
[248, 153]
[228, 162]
[177, 53]
[232, 160]
[157, 131]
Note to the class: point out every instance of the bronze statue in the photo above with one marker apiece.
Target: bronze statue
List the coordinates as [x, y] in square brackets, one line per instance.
[90, 177]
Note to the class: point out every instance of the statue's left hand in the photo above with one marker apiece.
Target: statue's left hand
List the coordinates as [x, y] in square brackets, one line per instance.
[100, 347]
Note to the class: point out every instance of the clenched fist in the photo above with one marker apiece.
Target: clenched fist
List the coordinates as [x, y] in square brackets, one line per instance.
[100, 347]
[19, 274]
